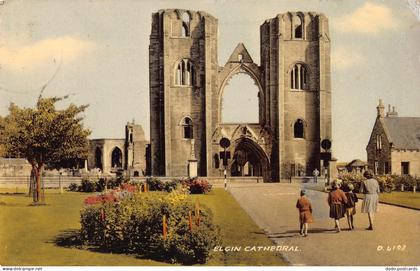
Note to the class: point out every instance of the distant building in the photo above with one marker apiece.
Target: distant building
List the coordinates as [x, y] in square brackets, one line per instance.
[113, 155]
[394, 145]
[355, 166]
[13, 167]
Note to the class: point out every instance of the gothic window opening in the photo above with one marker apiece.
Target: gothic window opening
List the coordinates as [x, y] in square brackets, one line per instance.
[299, 129]
[298, 27]
[241, 100]
[116, 158]
[184, 73]
[98, 158]
[299, 77]
[216, 161]
[185, 30]
[188, 128]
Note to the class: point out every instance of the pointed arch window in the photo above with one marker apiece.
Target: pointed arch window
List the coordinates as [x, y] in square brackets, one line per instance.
[185, 28]
[299, 77]
[98, 158]
[298, 27]
[184, 73]
[298, 129]
[116, 158]
[187, 126]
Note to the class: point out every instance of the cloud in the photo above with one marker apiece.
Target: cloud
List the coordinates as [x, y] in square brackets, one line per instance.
[31, 56]
[368, 19]
[344, 58]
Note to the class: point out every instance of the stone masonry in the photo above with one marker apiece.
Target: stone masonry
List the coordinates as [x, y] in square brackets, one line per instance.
[186, 96]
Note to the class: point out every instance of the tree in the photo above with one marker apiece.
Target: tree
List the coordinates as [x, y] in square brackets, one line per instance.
[46, 136]
[2, 137]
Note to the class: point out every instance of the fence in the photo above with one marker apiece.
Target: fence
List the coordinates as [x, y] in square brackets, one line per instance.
[49, 182]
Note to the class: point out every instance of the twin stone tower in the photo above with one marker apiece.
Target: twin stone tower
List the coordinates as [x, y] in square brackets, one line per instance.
[186, 96]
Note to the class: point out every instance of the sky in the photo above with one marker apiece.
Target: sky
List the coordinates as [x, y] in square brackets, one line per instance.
[97, 51]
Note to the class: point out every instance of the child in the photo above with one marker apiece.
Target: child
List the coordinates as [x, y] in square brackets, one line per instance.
[337, 200]
[351, 206]
[305, 213]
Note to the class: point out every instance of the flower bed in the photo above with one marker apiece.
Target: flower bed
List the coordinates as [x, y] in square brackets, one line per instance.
[167, 226]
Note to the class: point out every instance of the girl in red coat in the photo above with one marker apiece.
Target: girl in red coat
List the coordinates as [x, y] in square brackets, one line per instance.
[305, 213]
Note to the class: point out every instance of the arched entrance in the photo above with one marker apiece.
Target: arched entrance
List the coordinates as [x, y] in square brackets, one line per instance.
[249, 159]
[98, 158]
[116, 158]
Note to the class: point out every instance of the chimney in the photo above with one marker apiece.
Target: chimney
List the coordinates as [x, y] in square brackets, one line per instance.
[392, 113]
[380, 109]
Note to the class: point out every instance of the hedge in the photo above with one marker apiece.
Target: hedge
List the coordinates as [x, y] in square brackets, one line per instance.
[386, 183]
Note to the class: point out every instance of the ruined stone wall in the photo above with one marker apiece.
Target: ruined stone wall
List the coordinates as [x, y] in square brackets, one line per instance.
[171, 103]
[280, 52]
[280, 105]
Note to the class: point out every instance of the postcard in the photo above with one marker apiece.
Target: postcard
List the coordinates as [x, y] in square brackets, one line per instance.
[209, 133]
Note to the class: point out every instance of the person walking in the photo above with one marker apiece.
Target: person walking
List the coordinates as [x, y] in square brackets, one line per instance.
[336, 200]
[370, 189]
[351, 206]
[315, 173]
[305, 212]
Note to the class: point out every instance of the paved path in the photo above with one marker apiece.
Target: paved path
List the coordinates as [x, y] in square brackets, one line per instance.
[272, 207]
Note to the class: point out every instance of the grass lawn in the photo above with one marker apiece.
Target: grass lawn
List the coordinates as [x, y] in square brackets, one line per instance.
[408, 199]
[27, 233]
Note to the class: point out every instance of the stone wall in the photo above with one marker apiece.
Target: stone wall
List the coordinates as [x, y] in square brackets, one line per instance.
[280, 106]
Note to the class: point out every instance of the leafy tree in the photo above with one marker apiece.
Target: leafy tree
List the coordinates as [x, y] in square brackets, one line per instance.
[46, 136]
[2, 137]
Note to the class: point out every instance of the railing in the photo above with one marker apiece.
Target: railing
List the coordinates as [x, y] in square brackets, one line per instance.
[49, 182]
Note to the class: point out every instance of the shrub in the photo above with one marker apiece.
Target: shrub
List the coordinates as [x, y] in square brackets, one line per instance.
[197, 186]
[74, 187]
[159, 185]
[135, 225]
[88, 185]
[155, 184]
[386, 182]
[407, 181]
[352, 178]
[91, 185]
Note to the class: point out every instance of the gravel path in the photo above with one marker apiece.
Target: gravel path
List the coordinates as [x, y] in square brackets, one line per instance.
[272, 207]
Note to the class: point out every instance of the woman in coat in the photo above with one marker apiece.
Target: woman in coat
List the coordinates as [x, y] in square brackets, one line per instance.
[370, 188]
[337, 200]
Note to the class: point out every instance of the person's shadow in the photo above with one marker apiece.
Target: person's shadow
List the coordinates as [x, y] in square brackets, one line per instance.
[295, 233]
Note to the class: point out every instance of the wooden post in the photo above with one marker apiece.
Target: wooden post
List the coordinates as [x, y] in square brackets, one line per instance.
[197, 213]
[164, 227]
[190, 220]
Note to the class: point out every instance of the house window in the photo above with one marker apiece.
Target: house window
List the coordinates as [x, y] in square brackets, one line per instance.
[378, 142]
[184, 73]
[299, 77]
[298, 27]
[298, 129]
[188, 128]
[376, 167]
[387, 169]
[405, 168]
